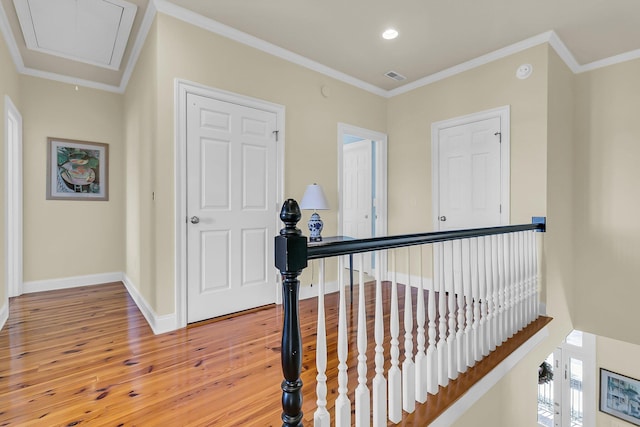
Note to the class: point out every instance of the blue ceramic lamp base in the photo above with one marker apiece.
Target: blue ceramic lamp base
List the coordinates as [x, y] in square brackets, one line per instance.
[315, 227]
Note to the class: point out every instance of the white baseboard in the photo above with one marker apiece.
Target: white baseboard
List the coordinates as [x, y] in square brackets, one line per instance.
[474, 394]
[158, 324]
[4, 314]
[542, 308]
[413, 280]
[311, 291]
[70, 282]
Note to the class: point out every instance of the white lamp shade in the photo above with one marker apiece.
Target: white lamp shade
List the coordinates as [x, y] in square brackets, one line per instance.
[314, 198]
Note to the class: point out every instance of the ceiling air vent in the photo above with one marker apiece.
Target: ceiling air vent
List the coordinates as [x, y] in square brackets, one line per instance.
[395, 76]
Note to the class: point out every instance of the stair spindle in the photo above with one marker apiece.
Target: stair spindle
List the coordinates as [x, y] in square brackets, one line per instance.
[321, 416]
[394, 375]
[363, 396]
[379, 381]
[408, 366]
[343, 404]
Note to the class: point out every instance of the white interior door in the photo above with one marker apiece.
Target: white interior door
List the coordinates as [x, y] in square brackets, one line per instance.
[470, 175]
[231, 199]
[356, 193]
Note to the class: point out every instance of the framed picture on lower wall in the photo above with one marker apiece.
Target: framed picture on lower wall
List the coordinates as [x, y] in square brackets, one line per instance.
[77, 170]
[620, 396]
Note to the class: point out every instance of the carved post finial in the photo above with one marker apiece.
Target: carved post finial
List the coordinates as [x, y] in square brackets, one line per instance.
[290, 214]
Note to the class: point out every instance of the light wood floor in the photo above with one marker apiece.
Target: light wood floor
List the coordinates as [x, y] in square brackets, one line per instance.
[86, 356]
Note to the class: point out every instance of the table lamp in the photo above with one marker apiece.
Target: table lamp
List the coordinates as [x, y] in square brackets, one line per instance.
[314, 199]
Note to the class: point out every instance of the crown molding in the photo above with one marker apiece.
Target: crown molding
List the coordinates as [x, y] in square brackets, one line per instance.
[612, 60]
[170, 9]
[143, 32]
[5, 29]
[213, 26]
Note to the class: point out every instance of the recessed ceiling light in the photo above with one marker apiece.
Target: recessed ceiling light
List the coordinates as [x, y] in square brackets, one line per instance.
[390, 34]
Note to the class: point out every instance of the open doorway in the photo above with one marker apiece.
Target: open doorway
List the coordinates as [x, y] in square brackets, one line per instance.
[362, 187]
[13, 191]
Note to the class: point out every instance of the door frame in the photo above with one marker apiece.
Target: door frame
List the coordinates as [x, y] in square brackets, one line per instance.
[380, 183]
[13, 202]
[182, 89]
[504, 114]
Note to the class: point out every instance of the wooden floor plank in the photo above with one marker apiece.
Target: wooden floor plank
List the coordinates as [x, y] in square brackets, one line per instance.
[87, 356]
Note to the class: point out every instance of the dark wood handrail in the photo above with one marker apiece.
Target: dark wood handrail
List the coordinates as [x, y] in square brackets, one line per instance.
[389, 242]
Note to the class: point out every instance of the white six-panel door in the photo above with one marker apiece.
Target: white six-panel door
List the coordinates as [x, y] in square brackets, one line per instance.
[231, 199]
[470, 175]
[356, 193]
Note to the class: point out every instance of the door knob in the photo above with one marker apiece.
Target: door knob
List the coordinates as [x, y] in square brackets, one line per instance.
[443, 218]
[195, 220]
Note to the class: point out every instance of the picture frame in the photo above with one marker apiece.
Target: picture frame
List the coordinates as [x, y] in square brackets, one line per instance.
[77, 170]
[620, 396]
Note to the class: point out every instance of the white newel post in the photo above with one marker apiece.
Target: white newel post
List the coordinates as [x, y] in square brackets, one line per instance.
[321, 416]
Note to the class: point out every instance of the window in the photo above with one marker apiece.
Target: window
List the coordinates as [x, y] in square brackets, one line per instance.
[561, 401]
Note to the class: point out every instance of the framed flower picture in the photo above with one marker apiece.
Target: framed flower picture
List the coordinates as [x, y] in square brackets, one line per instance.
[77, 170]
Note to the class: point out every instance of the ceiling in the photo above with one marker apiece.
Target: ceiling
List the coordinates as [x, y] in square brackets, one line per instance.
[343, 38]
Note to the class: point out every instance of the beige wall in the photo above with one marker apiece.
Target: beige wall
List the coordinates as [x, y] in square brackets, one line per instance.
[8, 87]
[311, 127]
[607, 206]
[483, 88]
[70, 238]
[620, 357]
[519, 386]
[140, 112]
[411, 115]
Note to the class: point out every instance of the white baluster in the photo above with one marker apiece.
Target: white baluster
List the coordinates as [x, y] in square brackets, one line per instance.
[510, 283]
[484, 294]
[522, 322]
[492, 307]
[497, 266]
[421, 357]
[343, 404]
[452, 363]
[469, 335]
[395, 376]
[535, 276]
[526, 281]
[461, 351]
[477, 326]
[379, 382]
[432, 352]
[530, 270]
[321, 416]
[408, 367]
[442, 346]
[363, 396]
[502, 314]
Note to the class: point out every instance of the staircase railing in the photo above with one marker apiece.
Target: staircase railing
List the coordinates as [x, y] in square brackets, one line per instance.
[484, 290]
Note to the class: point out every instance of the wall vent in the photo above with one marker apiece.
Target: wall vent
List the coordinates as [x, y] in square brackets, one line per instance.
[395, 76]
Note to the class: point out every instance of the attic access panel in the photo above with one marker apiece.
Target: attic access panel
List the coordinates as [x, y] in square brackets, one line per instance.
[90, 31]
